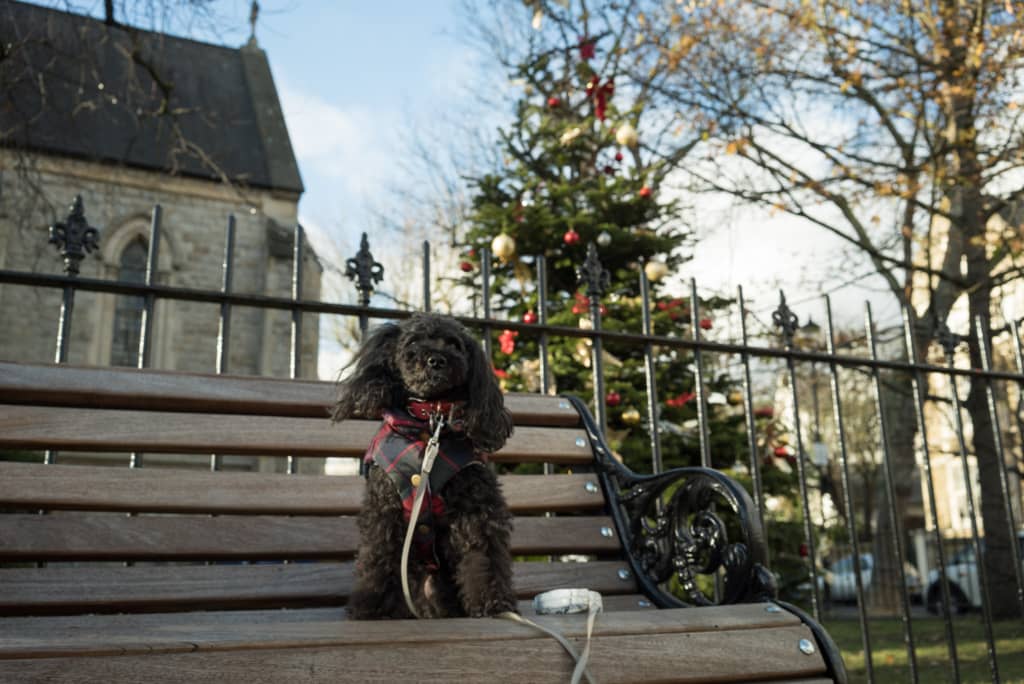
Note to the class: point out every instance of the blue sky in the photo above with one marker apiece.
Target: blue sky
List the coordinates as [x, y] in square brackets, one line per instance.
[366, 71]
[354, 79]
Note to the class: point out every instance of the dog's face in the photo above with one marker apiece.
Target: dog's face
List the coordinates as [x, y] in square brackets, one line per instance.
[432, 358]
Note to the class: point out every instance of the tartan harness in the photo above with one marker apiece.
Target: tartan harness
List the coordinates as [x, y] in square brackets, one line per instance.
[398, 449]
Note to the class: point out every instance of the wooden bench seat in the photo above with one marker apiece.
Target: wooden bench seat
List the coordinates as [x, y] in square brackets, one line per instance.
[678, 645]
[192, 575]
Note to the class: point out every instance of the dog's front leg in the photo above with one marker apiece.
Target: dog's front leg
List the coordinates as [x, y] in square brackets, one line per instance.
[378, 591]
[480, 539]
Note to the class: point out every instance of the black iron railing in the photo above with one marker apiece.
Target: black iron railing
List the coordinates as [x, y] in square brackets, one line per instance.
[74, 239]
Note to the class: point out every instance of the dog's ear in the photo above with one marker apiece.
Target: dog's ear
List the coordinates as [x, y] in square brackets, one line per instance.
[374, 384]
[488, 422]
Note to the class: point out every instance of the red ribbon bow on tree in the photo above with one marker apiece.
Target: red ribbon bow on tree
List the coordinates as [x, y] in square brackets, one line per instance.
[601, 95]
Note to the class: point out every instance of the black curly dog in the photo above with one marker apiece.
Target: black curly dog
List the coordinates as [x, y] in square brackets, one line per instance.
[462, 565]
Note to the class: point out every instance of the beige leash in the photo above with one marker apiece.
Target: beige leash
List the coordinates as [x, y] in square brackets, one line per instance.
[429, 454]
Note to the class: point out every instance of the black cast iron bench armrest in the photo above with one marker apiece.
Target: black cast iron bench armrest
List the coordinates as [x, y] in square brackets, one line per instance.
[691, 523]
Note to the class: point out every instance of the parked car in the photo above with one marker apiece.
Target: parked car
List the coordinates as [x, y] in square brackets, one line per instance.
[964, 580]
[840, 582]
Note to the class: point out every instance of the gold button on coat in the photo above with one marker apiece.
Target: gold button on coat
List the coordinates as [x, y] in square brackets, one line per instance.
[424, 529]
[416, 479]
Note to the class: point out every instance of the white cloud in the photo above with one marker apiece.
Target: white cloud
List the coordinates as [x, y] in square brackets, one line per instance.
[333, 144]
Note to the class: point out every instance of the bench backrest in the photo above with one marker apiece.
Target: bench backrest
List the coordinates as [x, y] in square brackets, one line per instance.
[218, 539]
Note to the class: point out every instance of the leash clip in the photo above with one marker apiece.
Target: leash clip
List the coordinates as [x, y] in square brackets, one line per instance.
[437, 423]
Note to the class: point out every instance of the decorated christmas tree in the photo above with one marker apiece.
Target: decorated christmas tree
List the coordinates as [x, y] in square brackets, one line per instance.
[577, 171]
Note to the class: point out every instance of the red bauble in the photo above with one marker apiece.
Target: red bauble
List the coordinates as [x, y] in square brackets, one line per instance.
[681, 400]
[466, 266]
[603, 309]
[529, 317]
[705, 324]
[507, 341]
[578, 310]
[781, 451]
[764, 412]
[645, 192]
[553, 102]
[618, 156]
[571, 237]
[613, 398]
[587, 50]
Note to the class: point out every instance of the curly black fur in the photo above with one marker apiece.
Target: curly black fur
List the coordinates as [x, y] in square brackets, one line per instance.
[432, 357]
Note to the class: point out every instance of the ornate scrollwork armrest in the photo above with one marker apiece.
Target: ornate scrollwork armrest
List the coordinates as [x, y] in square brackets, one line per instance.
[687, 523]
[682, 525]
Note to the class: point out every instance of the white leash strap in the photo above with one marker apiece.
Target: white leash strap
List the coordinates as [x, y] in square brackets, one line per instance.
[429, 454]
[561, 602]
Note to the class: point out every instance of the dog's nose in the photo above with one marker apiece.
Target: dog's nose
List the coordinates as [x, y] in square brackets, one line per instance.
[436, 361]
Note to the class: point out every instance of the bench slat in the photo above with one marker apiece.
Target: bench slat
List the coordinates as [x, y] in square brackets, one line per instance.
[624, 649]
[102, 536]
[21, 630]
[83, 429]
[99, 488]
[295, 627]
[130, 388]
[68, 590]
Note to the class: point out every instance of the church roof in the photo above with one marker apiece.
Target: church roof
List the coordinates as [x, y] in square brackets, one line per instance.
[72, 85]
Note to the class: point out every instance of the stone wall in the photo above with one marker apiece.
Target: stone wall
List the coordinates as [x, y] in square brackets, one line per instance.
[119, 202]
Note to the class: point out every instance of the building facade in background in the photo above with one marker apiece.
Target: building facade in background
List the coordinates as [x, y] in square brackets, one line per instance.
[129, 119]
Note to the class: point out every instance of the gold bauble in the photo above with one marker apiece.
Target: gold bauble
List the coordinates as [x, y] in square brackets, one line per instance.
[735, 398]
[503, 247]
[655, 270]
[626, 135]
[631, 417]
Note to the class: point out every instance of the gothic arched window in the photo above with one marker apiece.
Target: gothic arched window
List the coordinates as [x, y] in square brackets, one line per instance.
[128, 309]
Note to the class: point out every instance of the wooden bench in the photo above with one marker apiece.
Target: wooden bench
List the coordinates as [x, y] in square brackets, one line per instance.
[159, 574]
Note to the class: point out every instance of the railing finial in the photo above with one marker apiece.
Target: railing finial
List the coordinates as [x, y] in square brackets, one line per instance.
[594, 275]
[364, 271]
[74, 237]
[784, 318]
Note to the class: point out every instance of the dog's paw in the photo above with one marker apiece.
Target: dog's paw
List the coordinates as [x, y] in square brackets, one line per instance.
[493, 607]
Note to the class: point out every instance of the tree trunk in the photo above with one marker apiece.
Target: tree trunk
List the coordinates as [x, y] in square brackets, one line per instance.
[901, 424]
[998, 557]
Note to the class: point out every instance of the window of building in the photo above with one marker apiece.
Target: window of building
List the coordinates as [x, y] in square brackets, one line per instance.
[128, 309]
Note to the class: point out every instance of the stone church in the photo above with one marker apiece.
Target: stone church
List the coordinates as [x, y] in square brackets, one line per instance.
[127, 119]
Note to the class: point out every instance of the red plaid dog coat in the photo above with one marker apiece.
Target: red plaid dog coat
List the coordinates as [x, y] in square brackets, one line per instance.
[398, 449]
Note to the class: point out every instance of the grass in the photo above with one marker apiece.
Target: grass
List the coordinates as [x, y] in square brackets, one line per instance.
[889, 654]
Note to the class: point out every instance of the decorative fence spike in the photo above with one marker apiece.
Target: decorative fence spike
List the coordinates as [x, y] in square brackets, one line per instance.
[364, 271]
[74, 237]
[594, 275]
[784, 318]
